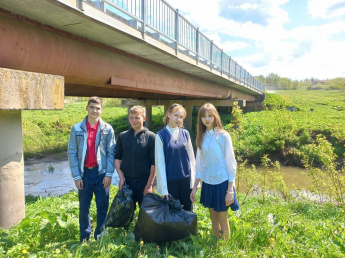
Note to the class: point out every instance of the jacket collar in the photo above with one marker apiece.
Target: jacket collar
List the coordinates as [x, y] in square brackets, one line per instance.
[101, 125]
[143, 130]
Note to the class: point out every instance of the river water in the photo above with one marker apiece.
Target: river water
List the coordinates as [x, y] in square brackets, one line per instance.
[48, 177]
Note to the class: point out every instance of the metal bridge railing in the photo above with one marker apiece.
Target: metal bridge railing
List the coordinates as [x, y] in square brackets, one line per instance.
[161, 21]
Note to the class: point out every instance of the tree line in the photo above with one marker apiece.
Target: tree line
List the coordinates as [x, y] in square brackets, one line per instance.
[274, 82]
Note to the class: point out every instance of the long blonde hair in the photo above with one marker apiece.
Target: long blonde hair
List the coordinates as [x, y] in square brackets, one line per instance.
[201, 128]
[173, 108]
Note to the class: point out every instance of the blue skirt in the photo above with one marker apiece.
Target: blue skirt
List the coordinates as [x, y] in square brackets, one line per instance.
[213, 196]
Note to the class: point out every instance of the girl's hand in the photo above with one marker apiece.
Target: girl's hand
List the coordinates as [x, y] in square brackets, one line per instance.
[192, 196]
[229, 198]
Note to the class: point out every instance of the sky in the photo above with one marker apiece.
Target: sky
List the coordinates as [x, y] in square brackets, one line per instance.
[296, 39]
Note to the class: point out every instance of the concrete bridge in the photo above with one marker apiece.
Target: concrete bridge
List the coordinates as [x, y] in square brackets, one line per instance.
[139, 49]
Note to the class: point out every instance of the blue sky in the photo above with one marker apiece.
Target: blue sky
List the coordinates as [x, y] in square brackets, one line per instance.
[296, 39]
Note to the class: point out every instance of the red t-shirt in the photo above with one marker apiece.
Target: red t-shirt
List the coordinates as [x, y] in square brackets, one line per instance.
[90, 159]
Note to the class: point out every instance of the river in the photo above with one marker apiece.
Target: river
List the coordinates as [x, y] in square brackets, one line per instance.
[52, 176]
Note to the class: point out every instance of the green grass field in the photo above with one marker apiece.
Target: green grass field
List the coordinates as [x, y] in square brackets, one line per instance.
[272, 222]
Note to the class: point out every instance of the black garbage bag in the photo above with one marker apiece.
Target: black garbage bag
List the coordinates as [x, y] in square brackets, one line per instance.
[122, 209]
[163, 220]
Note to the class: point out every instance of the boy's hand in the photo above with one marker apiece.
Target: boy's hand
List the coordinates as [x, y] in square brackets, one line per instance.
[106, 182]
[122, 181]
[148, 189]
[79, 184]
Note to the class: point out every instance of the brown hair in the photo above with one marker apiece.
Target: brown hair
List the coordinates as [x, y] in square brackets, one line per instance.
[96, 100]
[173, 108]
[138, 110]
[201, 128]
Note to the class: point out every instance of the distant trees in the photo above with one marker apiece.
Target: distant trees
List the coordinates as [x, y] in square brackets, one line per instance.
[274, 82]
[337, 83]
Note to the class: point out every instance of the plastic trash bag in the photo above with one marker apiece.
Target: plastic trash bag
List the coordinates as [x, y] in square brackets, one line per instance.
[122, 209]
[163, 220]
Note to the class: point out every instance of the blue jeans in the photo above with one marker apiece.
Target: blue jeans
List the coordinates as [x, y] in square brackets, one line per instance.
[93, 184]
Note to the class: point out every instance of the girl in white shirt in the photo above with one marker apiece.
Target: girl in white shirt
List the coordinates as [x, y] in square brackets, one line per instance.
[216, 167]
[174, 158]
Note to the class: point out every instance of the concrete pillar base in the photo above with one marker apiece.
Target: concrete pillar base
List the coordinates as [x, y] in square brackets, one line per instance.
[12, 196]
[20, 90]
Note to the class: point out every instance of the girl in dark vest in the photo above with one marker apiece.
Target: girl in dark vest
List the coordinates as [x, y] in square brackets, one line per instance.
[174, 158]
[216, 167]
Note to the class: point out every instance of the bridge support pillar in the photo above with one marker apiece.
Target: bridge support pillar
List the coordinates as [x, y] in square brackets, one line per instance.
[12, 197]
[188, 120]
[20, 90]
[148, 122]
[128, 108]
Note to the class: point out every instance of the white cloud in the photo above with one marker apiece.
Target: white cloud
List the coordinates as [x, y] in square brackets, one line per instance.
[326, 9]
[299, 53]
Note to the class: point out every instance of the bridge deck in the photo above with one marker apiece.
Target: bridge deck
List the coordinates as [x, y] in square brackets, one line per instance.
[89, 23]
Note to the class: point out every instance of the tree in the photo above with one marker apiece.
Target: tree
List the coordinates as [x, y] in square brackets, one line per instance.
[272, 80]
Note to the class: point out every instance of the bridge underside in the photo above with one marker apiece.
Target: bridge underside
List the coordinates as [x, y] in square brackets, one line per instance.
[90, 68]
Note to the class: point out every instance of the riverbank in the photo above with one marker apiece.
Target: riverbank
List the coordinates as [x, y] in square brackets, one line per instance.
[285, 136]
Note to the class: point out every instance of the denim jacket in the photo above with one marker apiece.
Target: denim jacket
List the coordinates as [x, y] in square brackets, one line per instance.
[105, 148]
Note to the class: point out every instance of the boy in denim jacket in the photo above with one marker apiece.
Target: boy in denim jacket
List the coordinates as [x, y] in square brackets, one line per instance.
[91, 149]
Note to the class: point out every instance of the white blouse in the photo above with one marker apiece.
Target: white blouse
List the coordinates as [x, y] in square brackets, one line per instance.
[161, 175]
[216, 162]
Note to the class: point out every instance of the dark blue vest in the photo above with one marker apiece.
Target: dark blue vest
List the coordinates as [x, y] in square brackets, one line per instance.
[177, 163]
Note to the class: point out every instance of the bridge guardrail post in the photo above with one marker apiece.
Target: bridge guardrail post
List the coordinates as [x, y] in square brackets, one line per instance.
[197, 44]
[221, 62]
[176, 31]
[229, 67]
[143, 17]
[211, 55]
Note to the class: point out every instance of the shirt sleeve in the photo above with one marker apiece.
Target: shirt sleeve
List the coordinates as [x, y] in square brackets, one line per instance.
[152, 149]
[118, 148]
[73, 156]
[161, 174]
[111, 145]
[198, 164]
[230, 160]
[190, 152]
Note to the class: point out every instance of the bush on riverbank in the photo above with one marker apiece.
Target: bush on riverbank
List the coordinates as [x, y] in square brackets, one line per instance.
[289, 136]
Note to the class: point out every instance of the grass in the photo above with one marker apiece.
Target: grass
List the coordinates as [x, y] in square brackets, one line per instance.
[287, 136]
[275, 228]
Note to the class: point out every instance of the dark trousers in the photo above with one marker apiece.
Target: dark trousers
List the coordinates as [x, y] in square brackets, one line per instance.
[181, 190]
[137, 185]
[93, 184]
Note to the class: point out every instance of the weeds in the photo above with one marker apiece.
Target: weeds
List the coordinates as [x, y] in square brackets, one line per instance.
[275, 228]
